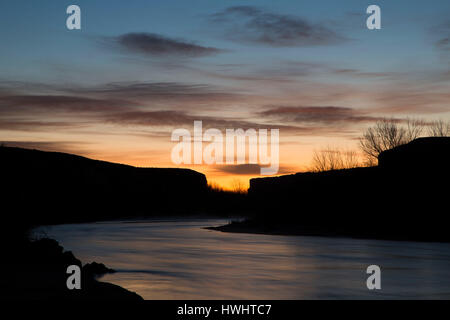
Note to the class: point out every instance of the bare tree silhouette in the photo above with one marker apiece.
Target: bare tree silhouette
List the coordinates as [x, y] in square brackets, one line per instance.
[414, 128]
[215, 187]
[439, 128]
[238, 187]
[387, 134]
[334, 159]
[384, 135]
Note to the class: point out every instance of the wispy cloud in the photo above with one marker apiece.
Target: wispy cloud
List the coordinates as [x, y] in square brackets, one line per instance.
[160, 107]
[285, 71]
[123, 104]
[185, 119]
[318, 114]
[159, 91]
[152, 44]
[17, 98]
[36, 125]
[250, 24]
[16, 103]
[443, 31]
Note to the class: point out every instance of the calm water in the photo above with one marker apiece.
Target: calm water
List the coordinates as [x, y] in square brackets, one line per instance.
[178, 259]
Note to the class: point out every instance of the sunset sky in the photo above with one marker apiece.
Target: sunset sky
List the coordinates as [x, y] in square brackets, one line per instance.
[116, 89]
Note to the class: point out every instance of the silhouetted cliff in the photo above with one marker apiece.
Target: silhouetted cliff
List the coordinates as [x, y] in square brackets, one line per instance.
[48, 187]
[421, 155]
[405, 197]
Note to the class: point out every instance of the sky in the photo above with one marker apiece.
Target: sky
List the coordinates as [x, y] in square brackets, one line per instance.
[116, 89]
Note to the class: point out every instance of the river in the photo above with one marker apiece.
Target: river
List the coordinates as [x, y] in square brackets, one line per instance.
[179, 259]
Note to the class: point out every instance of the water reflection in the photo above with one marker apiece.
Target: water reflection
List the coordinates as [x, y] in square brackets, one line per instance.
[178, 259]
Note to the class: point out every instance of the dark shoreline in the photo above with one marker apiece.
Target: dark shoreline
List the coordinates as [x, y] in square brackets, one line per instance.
[37, 270]
[253, 227]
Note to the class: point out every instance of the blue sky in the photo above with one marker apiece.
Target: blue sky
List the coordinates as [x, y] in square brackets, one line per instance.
[36, 34]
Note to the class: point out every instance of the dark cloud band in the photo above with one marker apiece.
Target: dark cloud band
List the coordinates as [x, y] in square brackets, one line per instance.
[161, 46]
[319, 114]
[253, 25]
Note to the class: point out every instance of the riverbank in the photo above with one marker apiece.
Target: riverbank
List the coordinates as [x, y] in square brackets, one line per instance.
[36, 270]
[253, 226]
